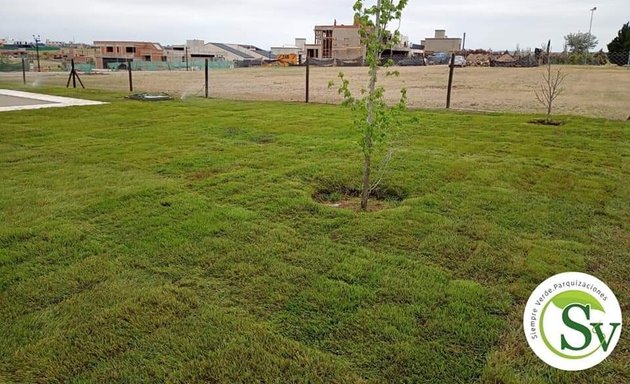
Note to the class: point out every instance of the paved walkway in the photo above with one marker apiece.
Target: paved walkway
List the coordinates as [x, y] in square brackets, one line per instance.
[12, 101]
[16, 100]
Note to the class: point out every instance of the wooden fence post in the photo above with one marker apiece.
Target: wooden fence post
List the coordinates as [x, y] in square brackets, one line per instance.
[450, 81]
[308, 75]
[130, 76]
[24, 70]
[206, 78]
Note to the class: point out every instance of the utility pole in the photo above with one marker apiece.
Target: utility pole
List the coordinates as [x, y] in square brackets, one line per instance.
[37, 40]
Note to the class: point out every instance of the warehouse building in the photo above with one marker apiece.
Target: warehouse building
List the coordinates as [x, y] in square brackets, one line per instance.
[441, 42]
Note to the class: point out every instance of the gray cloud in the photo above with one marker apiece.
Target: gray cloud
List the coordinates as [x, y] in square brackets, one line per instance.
[488, 23]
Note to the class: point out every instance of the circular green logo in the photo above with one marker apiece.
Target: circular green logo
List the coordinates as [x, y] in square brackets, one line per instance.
[572, 321]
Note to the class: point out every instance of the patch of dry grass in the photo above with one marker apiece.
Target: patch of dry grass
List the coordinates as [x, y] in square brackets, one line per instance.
[589, 91]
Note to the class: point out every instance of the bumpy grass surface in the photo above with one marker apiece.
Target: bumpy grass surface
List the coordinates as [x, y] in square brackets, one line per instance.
[179, 242]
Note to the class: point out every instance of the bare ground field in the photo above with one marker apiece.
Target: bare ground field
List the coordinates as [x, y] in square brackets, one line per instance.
[588, 91]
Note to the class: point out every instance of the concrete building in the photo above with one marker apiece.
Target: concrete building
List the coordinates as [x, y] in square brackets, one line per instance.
[199, 49]
[300, 42]
[441, 42]
[80, 53]
[286, 50]
[298, 50]
[51, 43]
[404, 48]
[335, 41]
[343, 42]
[114, 54]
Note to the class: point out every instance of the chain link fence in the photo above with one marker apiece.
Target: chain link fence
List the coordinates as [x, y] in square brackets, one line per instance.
[14, 64]
[473, 58]
[592, 58]
[190, 65]
[401, 60]
[619, 58]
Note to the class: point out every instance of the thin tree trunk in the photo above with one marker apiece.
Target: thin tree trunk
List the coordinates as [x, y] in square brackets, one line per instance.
[551, 92]
[367, 150]
[365, 195]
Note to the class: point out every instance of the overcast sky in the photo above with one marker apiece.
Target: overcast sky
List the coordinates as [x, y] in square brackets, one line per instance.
[495, 24]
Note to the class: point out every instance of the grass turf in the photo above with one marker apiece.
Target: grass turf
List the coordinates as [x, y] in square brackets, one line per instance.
[179, 242]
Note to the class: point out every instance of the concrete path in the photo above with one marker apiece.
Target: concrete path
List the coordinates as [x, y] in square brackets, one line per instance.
[17, 100]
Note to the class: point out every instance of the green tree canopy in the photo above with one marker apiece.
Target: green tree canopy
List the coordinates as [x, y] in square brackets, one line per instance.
[621, 43]
[580, 42]
[619, 47]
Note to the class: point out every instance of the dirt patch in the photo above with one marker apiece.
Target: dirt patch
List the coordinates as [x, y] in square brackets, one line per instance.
[354, 204]
[545, 122]
[350, 198]
[589, 90]
[201, 175]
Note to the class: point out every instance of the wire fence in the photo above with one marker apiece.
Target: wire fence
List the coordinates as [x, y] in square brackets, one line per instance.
[190, 65]
[593, 90]
[10, 67]
[597, 58]
[472, 58]
[619, 58]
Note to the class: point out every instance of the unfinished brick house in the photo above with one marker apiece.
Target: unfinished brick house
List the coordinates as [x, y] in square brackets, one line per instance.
[336, 42]
[343, 42]
[115, 54]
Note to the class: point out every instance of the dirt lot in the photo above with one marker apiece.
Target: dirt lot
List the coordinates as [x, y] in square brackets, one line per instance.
[589, 91]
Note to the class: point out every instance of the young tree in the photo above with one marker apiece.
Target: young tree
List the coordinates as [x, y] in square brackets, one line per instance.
[551, 86]
[372, 115]
[580, 42]
[619, 47]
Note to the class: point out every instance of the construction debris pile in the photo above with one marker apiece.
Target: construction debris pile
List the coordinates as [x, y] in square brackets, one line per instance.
[505, 59]
[478, 60]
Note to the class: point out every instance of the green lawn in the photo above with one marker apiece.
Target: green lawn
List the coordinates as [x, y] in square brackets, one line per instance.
[179, 242]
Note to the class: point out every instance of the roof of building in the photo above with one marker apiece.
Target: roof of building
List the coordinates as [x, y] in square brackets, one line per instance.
[234, 51]
[259, 51]
[441, 38]
[125, 42]
[157, 46]
[336, 26]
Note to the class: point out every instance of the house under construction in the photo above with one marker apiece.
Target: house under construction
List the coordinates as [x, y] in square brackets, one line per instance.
[116, 54]
[341, 42]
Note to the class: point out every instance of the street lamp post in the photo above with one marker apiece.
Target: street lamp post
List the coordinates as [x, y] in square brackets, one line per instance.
[37, 40]
[590, 28]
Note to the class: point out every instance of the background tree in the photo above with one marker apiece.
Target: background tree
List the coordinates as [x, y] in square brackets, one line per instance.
[372, 115]
[580, 42]
[551, 86]
[619, 47]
